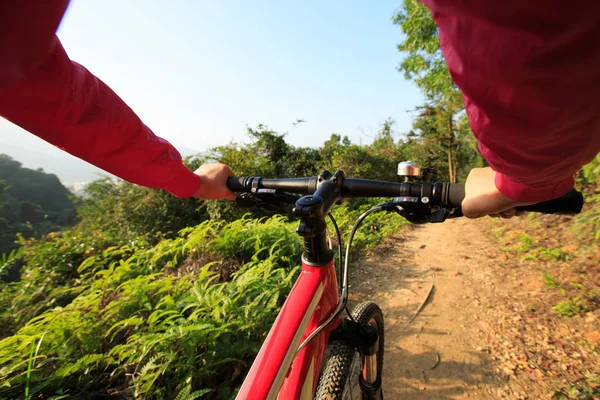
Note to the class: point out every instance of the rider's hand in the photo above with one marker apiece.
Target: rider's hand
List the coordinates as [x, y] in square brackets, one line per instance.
[213, 179]
[483, 198]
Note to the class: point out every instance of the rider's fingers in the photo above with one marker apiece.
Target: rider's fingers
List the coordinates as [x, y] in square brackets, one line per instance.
[511, 212]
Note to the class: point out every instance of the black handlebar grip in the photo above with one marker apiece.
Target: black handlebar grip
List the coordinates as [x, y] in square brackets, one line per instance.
[234, 183]
[456, 194]
[569, 203]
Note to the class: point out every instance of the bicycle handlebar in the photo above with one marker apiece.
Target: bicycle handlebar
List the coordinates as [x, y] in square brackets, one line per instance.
[569, 203]
[448, 195]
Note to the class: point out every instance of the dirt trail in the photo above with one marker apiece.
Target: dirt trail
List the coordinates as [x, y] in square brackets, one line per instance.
[437, 355]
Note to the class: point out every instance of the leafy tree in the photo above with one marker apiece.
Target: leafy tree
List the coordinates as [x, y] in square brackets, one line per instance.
[333, 144]
[271, 146]
[388, 150]
[8, 165]
[424, 63]
[3, 188]
[268, 154]
[30, 212]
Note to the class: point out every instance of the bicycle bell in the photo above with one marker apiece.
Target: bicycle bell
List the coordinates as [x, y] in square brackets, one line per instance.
[408, 170]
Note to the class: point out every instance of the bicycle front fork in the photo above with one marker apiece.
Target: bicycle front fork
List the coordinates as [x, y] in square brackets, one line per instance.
[365, 339]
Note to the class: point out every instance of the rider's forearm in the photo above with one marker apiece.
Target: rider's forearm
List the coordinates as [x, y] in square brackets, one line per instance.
[530, 78]
[63, 103]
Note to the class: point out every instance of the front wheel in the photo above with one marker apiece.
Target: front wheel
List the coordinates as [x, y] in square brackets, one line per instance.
[345, 366]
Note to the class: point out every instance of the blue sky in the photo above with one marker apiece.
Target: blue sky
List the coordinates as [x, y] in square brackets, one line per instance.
[198, 72]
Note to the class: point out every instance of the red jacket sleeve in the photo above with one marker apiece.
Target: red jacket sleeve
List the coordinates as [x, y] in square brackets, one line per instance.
[49, 95]
[530, 77]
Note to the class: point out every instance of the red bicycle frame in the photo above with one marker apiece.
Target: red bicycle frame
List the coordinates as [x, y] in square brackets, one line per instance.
[279, 370]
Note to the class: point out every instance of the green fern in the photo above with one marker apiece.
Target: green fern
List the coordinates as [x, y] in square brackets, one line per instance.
[186, 393]
[5, 259]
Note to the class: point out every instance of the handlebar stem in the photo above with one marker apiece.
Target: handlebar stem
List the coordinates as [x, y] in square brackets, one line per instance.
[312, 210]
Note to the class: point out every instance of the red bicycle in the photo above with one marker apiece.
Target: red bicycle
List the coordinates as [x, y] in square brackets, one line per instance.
[290, 364]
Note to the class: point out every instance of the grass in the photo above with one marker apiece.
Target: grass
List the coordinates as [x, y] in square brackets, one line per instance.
[551, 282]
[31, 363]
[524, 243]
[571, 307]
[587, 388]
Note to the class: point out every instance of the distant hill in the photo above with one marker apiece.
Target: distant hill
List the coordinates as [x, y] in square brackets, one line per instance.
[32, 203]
[35, 153]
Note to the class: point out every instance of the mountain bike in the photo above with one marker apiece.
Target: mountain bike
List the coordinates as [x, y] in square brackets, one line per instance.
[291, 363]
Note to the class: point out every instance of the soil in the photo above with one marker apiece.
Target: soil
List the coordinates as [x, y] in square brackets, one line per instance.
[455, 315]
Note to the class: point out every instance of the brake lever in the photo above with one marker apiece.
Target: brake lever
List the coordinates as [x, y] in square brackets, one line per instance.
[414, 210]
[268, 199]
